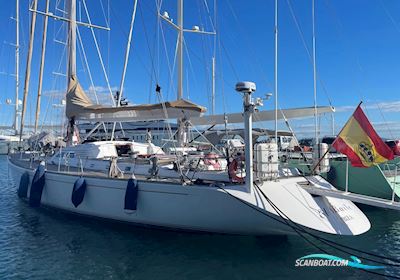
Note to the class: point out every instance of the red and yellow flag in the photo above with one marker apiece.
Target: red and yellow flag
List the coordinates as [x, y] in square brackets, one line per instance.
[360, 142]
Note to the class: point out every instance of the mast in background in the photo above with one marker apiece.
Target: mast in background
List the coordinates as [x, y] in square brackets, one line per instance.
[39, 94]
[276, 72]
[181, 30]
[213, 60]
[28, 68]
[16, 66]
[314, 73]
[181, 123]
[71, 10]
[180, 49]
[71, 68]
[213, 87]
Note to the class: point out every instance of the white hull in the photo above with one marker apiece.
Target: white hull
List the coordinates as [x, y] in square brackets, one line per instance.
[203, 208]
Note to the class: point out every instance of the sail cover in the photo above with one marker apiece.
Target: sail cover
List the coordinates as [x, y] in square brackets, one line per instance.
[80, 107]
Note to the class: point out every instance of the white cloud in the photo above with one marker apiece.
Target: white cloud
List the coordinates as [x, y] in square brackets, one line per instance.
[102, 88]
[390, 106]
[346, 108]
[387, 107]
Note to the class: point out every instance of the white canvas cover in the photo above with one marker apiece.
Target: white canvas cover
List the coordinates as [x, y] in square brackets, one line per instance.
[80, 107]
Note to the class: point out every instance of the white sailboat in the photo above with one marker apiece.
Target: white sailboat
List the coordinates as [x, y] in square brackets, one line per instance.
[267, 200]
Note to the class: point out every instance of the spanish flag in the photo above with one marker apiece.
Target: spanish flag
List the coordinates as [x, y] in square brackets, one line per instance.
[360, 142]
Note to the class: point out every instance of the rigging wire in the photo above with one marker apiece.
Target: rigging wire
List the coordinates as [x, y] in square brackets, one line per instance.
[48, 107]
[153, 71]
[98, 52]
[297, 228]
[171, 70]
[190, 65]
[87, 64]
[359, 66]
[332, 244]
[245, 38]
[301, 33]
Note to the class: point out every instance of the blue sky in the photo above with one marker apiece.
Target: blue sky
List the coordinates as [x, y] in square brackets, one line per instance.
[358, 56]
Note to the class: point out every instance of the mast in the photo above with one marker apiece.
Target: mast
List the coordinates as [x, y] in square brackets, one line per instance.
[71, 10]
[28, 68]
[182, 129]
[180, 122]
[247, 88]
[16, 66]
[71, 71]
[214, 58]
[180, 49]
[314, 73]
[276, 72]
[213, 87]
[44, 39]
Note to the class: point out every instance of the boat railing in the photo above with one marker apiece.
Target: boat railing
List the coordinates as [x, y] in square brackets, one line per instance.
[114, 171]
[66, 162]
[391, 171]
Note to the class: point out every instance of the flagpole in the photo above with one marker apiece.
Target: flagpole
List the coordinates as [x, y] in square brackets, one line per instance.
[330, 147]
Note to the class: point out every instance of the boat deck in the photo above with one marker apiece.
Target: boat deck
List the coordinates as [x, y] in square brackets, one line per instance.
[26, 163]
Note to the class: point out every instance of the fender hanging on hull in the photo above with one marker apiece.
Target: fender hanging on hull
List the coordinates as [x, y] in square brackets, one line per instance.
[131, 195]
[78, 192]
[23, 185]
[38, 182]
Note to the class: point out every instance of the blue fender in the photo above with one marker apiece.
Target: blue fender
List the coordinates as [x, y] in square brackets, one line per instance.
[23, 185]
[131, 195]
[38, 182]
[78, 192]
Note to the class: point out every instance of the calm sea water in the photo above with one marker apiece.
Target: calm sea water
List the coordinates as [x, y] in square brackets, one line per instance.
[43, 244]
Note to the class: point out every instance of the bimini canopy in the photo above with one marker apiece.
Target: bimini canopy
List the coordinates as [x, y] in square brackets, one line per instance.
[260, 116]
[80, 107]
